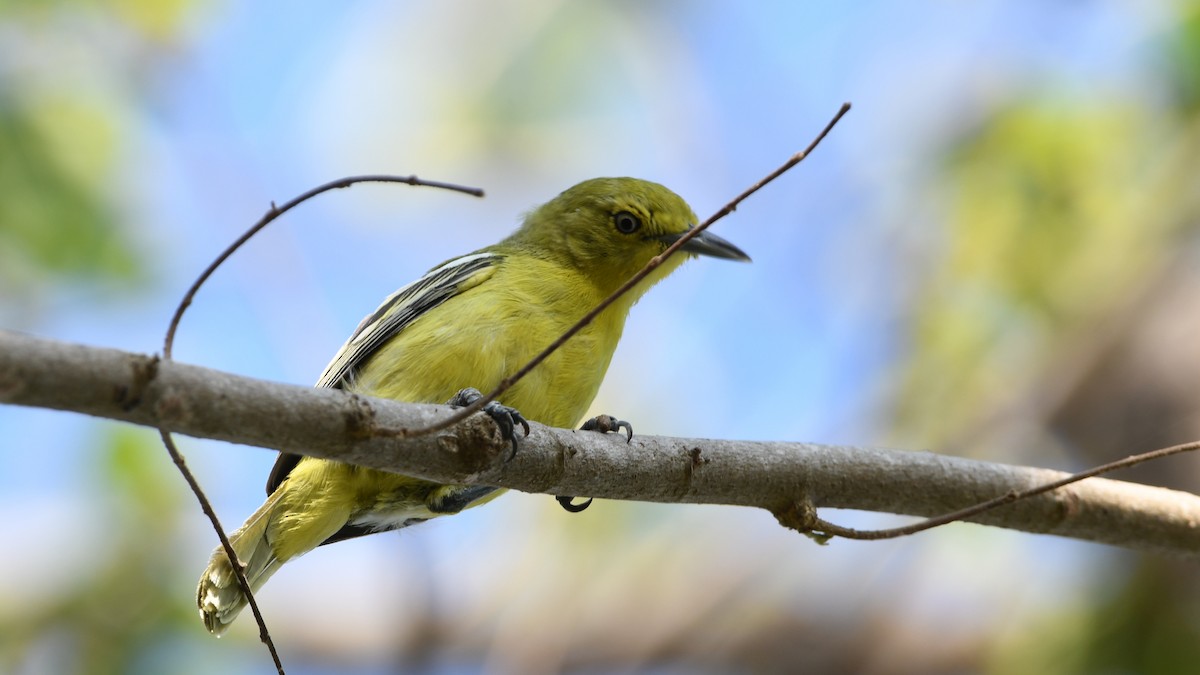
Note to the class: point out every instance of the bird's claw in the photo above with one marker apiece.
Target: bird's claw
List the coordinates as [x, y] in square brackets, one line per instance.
[505, 417]
[607, 423]
[565, 502]
[604, 424]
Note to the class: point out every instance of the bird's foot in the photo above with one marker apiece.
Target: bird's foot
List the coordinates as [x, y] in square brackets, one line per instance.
[505, 417]
[607, 423]
[604, 424]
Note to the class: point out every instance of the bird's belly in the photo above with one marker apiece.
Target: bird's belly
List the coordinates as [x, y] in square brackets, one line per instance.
[391, 519]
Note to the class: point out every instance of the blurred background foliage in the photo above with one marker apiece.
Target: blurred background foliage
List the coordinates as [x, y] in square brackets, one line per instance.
[994, 256]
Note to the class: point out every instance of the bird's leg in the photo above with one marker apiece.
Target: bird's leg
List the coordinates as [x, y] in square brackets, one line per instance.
[454, 498]
[505, 417]
[603, 424]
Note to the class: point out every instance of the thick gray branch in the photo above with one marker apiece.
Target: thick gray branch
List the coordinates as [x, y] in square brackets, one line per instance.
[328, 423]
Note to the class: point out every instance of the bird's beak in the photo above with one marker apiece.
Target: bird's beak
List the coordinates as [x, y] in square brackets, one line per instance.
[707, 243]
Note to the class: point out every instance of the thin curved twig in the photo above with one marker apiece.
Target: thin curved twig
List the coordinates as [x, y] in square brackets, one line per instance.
[277, 211]
[823, 529]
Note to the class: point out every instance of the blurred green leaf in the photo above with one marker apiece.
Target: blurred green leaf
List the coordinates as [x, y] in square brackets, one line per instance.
[52, 223]
[158, 20]
[138, 472]
[1183, 59]
[1145, 626]
[1056, 214]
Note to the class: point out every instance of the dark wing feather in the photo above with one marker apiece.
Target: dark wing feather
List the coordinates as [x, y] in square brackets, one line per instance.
[394, 315]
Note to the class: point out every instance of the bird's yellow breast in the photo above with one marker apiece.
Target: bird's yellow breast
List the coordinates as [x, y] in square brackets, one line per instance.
[486, 332]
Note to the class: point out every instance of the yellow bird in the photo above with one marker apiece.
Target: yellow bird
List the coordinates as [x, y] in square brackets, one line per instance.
[463, 327]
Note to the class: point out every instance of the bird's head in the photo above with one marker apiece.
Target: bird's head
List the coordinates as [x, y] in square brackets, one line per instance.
[609, 228]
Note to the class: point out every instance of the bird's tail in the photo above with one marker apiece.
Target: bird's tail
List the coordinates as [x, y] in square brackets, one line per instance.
[219, 596]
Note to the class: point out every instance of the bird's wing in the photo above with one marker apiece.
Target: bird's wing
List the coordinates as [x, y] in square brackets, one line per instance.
[400, 310]
[396, 313]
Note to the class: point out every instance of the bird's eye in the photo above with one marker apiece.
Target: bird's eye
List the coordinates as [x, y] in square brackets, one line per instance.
[626, 222]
